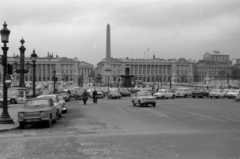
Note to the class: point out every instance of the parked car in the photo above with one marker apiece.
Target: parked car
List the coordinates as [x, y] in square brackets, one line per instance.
[237, 97]
[200, 92]
[143, 98]
[38, 110]
[79, 94]
[56, 102]
[165, 94]
[183, 92]
[113, 94]
[217, 93]
[65, 95]
[225, 91]
[232, 93]
[134, 90]
[63, 102]
[99, 94]
[124, 92]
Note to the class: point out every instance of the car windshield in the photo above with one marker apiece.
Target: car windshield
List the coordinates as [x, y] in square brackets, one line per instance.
[161, 91]
[114, 92]
[36, 103]
[215, 90]
[143, 94]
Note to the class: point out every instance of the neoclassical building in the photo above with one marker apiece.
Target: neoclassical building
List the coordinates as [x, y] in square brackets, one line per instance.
[148, 70]
[67, 69]
[211, 66]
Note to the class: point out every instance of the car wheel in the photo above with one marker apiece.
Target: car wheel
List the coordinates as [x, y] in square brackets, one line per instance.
[146, 105]
[12, 101]
[154, 105]
[21, 125]
[162, 97]
[173, 96]
[210, 96]
[193, 96]
[49, 122]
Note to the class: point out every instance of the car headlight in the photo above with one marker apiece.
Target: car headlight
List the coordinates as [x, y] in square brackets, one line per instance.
[42, 114]
[21, 115]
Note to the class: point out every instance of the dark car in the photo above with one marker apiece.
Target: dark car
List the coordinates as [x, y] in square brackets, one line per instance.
[65, 95]
[79, 94]
[200, 92]
[124, 92]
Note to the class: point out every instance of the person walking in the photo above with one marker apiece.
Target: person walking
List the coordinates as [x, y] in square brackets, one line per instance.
[85, 97]
[95, 96]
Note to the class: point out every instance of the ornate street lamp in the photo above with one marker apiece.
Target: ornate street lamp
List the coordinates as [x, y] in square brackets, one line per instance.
[5, 117]
[21, 71]
[34, 59]
[54, 80]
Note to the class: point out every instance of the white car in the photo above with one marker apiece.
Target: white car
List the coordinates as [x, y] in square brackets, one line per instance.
[56, 101]
[143, 98]
[217, 93]
[183, 92]
[165, 94]
[237, 97]
[232, 93]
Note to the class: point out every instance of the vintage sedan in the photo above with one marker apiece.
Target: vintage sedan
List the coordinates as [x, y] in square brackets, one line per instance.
[232, 93]
[63, 102]
[56, 102]
[114, 94]
[217, 93]
[99, 94]
[65, 95]
[143, 98]
[124, 92]
[200, 92]
[38, 110]
[165, 94]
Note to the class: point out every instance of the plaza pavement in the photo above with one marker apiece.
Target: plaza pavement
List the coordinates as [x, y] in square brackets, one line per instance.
[13, 109]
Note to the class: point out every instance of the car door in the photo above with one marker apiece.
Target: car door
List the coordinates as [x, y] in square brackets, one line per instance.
[53, 109]
[168, 92]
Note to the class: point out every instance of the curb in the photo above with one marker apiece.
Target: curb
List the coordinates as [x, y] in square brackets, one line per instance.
[15, 126]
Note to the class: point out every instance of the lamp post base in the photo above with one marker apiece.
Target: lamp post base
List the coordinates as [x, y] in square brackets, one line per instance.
[6, 119]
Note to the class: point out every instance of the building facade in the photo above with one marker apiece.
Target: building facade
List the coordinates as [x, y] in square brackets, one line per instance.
[214, 66]
[148, 70]
[67, 69]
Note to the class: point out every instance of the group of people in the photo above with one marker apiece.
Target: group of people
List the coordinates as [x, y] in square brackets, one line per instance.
[85, 96]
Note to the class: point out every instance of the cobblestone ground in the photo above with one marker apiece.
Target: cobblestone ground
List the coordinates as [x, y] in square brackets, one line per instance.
[113, 128]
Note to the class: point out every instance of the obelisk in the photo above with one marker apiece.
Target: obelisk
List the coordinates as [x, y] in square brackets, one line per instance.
[108, 69]
[108, 50]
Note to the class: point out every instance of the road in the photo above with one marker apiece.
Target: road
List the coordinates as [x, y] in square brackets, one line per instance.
[182, 128]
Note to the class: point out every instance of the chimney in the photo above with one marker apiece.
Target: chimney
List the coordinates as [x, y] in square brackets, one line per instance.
[153, 56]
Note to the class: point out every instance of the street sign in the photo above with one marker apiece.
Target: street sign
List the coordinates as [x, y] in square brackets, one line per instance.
[8, 81]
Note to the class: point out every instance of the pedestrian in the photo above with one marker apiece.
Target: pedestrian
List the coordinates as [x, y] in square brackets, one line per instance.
[85, 97]
[95, 96]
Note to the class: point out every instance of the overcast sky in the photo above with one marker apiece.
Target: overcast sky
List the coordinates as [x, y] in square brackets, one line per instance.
[169, 28]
